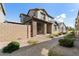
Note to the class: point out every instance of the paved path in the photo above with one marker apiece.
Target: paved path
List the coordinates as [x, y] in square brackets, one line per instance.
[35, 50]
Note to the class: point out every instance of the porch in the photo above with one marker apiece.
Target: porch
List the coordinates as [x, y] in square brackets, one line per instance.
[40, 27]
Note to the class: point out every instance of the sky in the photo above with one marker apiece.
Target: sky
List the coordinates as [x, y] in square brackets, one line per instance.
[63, 12]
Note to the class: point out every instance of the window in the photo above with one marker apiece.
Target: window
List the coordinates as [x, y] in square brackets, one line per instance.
[23, 18]
[35, 14]
[43, 16]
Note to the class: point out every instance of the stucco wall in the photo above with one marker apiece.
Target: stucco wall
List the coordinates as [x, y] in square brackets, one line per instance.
[10, 31]
[39, 15]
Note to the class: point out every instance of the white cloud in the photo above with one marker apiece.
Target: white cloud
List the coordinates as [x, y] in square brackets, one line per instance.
[70, 25]
[61, 17]
[71, 10]
[71, 18]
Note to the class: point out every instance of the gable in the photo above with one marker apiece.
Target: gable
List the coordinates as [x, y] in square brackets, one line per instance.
[40, 10]
[62, 25]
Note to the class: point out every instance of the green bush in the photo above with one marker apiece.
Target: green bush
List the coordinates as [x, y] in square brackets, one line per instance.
[11, 47]
[71, 35]
[66, 42]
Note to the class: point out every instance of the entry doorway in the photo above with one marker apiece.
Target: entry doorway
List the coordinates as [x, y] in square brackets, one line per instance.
[40, 28]
[49, 26]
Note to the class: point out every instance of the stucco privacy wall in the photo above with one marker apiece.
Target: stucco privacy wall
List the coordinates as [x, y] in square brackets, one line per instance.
[10, 31]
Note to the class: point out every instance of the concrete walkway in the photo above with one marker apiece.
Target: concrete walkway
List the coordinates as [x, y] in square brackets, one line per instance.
[35, 50]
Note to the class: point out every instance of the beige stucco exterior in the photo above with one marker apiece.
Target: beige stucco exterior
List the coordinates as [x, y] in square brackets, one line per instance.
[40, 16]
[10, 31]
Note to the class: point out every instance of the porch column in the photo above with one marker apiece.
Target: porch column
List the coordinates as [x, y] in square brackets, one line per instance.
[34, 28]
[45, 28]
[51, 29]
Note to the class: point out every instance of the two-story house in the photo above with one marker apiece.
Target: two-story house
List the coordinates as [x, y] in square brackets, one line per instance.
[41, 22]
[55, 27]
[62, 27]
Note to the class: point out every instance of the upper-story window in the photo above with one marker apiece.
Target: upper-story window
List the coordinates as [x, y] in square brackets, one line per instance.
[22, 18]
[43, 16]
[49, 19]
[35, 14]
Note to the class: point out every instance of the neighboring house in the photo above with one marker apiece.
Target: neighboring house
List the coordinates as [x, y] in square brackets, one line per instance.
[2, 13]
[62, 27]
[55, 27]
[77, 25]
[39, 20]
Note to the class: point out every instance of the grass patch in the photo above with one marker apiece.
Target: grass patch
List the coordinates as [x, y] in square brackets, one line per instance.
[51, 36]
[54, 52]
[56, 33]
[32, 42]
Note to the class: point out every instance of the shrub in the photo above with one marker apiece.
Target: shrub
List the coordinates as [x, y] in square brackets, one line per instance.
[61, 42]
[60, 33]
[56, 33]
[71, 35]
[66, 42]
[32, 42]
[51, 36]
[64, 32]
[11, 47]
[54, 52]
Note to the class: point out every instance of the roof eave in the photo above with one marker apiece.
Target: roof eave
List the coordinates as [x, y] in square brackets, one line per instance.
[3, 9]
